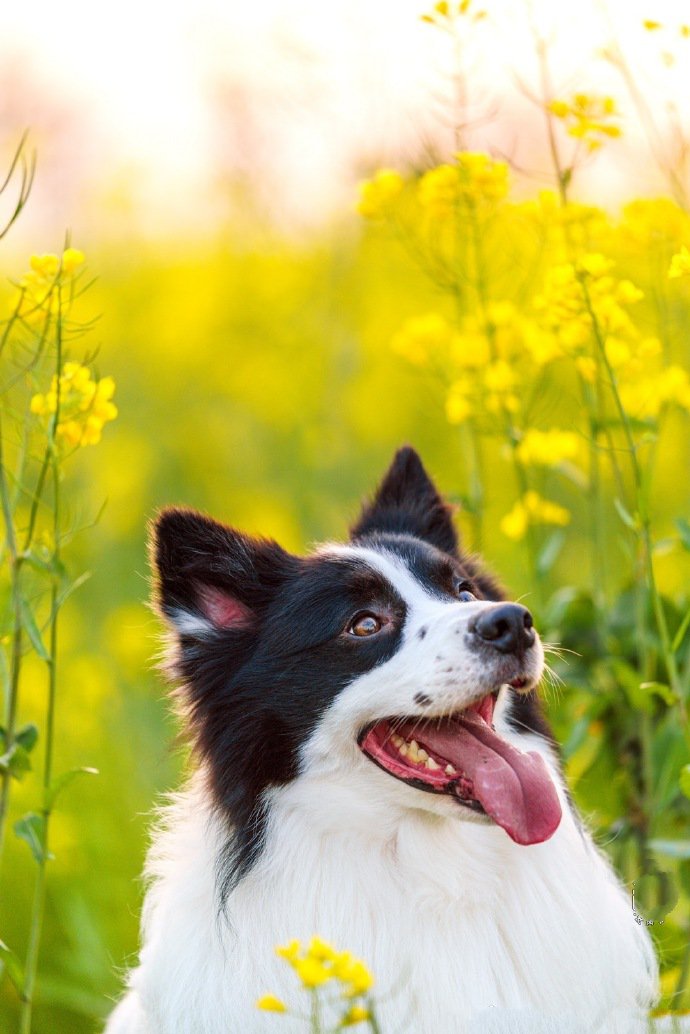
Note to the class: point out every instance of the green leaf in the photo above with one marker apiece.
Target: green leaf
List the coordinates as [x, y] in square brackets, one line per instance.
[16, 761]
[680, 634]
[72, 587]
[549, 553]
[45, 565]
[671, 848]
[684, 780]
[27, 736]
[29, 623]
[12, 966]
[661, 690]
[684, 531]
[62, 781]
[625, 515]
[32, 829]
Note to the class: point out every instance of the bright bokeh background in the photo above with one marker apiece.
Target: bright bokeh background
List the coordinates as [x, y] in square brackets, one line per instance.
[206, 158]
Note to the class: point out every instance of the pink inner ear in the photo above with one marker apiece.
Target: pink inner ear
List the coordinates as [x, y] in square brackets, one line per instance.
[223, 610]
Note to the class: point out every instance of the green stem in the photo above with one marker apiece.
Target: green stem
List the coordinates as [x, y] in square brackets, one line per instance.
[38, 904]
[314, 1015]
[373, 1022]
[16, 649]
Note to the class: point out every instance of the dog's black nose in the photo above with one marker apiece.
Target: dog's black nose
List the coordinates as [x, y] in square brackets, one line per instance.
[508, 627]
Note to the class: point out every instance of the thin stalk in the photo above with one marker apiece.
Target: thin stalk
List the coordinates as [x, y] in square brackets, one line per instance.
[11, 702]
[373, 1022]
[642, 507]
[314, 1014]
[38, 905]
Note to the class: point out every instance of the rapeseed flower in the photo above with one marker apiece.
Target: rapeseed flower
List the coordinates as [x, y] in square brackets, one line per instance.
[269, 1003]
[547, 448]
[532, 509]
[355, 1014]
[40, 295]
[377, 195]
[85, 405]
[587, 118]
[680, 264]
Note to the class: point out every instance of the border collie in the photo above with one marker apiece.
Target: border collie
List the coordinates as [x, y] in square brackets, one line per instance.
[373, 766]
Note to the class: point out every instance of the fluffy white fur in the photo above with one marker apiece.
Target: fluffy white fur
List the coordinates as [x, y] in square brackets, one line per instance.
[466, 931]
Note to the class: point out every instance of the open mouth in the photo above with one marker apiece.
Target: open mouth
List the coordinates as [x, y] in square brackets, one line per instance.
[463, 757]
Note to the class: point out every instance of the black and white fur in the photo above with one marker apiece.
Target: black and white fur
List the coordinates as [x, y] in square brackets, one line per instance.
[287, 830]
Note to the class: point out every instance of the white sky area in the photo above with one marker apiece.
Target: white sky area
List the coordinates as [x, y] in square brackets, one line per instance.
[147, 115]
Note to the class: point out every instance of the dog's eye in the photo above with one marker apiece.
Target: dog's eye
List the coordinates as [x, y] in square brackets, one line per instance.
[365, 624]
[463, 591]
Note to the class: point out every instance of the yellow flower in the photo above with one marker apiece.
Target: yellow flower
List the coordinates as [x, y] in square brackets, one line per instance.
[357, 977]
[532, 509]
[587, 118]
[548, 448]
[289, 951]
[376, 196]
[72, 258]
[651, 25]
[587, 368]
[680, 264]
[45, 266]
[320, 949]
[423, 338]
[458, 405]
[514, 524]
[269, 1003]
[499, 377]
[85, 405]
[355, 1014]
[312, 972]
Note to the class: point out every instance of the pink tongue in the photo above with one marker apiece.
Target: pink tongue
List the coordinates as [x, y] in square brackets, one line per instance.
[514, 788]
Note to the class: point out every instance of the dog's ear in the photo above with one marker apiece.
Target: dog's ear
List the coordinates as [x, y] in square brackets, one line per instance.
[210, 577]
[408, 503]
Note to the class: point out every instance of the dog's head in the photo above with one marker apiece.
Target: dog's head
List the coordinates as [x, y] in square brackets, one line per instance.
[392, 659]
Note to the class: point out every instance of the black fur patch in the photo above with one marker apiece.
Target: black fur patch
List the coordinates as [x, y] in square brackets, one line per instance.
[254, 694]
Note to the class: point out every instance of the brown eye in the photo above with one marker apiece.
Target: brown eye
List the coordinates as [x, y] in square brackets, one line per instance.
[365, 624]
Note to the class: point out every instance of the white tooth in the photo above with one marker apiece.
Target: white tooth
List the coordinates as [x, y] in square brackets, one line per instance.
[433, 765]
[397, 740]
[402, 749]
[450, 770]
[422, 755]
[413, 750]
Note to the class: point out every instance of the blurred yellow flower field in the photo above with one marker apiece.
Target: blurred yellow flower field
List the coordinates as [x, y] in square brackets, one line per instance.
[534, 348]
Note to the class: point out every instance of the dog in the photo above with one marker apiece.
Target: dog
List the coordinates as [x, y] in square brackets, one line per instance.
[373, 765]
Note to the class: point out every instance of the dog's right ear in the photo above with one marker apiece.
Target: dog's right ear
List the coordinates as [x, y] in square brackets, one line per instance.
[210, 577]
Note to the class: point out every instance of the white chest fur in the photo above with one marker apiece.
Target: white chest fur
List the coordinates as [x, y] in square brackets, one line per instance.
[464, 930]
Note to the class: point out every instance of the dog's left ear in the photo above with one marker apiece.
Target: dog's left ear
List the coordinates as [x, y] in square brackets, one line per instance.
[408, 503]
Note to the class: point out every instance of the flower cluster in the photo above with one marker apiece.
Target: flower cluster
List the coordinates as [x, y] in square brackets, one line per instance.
[529, 510]
[377, 195]
[319, 963]
[587, 118]
[442, 13]
[487, 360]
[680, 264]
[474, 179]
[576, 297]
[547, 448]
[39, 293]
[83, 405]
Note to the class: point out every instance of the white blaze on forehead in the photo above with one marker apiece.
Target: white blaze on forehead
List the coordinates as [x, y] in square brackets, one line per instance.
[422, 604]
